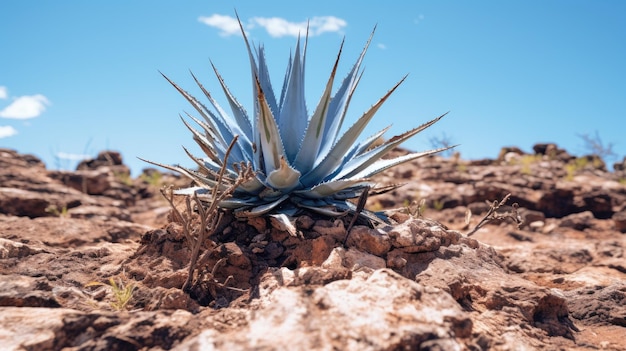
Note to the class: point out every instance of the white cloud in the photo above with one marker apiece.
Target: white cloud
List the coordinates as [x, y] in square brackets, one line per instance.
[25, 107]
[72, 157]
[325, 24]
[3, 92]
[226, 24]
[7, 131]
[280, 27]
[275, 26]
[381, 46]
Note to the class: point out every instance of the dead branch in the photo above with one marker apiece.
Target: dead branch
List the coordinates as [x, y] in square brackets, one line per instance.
[493, 215]
[200, 221]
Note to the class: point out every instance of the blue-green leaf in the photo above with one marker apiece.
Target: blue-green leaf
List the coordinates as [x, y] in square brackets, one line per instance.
[335, 157]
[315, 137]
[292, 117]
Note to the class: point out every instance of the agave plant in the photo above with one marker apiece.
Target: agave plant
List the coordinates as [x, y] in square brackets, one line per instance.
[300, 161]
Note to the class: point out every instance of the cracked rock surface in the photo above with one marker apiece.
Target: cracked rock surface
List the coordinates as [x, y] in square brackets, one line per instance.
[557, 281]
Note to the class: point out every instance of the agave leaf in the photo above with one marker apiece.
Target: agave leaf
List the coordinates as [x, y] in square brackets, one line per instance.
[364, 160]
[238, 110]
[263, 209]
[363, 146]
[340, 102]
[256, 76]
[284, 178]
[329, 211]
[315, 136]
[260, 83]
[348, 207]
[212, 136]
[177, 169]
[329, 188]
[234, 125]
[197, 190]
[264, 77]
[252, 186]
[272, 148]
[291, 118]
[216, 125]
[385, 189]
[350, 193]
[283, 223]
[205, 144]
[237, 202]
[339, 150]
[382, 165]
[208, 166]
[201, 180]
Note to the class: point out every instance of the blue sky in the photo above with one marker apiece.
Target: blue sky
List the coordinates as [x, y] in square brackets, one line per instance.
[78, 77]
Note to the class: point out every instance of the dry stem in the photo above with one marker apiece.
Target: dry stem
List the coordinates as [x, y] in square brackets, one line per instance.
[492, 214]
[209, 217]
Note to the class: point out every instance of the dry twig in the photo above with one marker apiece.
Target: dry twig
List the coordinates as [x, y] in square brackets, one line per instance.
[493, 215]
[198, 228]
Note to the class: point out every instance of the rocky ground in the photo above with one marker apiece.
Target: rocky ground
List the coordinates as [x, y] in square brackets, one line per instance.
[556, 280]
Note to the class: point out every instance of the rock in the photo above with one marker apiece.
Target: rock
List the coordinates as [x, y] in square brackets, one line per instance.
[21, 291]
[578, 221]
[347, 315]
[374, 241]
[552, 150]
[33, 328]
[558, 202]
[600, 203]
[619, 219]
[357, 260]
[336, 228]
[417, 282]
[508, 153]
[104, 159]
[92, 182]
[420, 235]
[620, 166]
[14, 249]
[599, 305]
[62, 328]
[475, 279]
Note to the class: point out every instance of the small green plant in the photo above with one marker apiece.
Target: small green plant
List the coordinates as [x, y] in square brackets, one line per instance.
[438, 205]
[415, 209]
[575, 166]
[123, 178]
[581, 163]
[461, 167]
[55, 211]
[152, 178]
[121, 292]
[526, 162]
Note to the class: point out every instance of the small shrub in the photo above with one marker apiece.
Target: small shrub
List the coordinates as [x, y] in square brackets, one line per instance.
[595, 146]
[123, 178]
[122, 292]
[438, 205]
[152, 178]
[55, 211]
